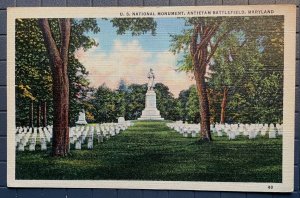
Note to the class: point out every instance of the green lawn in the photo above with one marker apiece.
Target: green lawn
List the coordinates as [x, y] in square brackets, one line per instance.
[151, 151]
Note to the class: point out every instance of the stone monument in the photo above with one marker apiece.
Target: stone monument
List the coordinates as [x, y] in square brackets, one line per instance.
[150, 112]
[121, 120]
[81, 118]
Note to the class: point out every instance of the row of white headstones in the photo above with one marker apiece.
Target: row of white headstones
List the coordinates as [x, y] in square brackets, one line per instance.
[79, 135]
[252, 131]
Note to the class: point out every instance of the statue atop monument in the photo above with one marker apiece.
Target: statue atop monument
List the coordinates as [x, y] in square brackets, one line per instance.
[150, 112]
[151, 77]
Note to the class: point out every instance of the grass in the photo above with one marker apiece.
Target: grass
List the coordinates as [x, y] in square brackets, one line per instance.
[151, 151]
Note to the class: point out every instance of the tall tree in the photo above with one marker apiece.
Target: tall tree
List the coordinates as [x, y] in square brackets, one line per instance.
[229, 66]
[58, 56]
[199, 42]
[246, 68]
[33, 62]
[33, 79]
[60, 43]
[202, 41]
[33, 71]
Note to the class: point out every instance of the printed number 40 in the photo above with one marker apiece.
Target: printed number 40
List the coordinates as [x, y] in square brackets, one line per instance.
[270, 187]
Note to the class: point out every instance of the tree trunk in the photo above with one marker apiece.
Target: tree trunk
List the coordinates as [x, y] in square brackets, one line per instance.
[38, 115]
[203, 107]
[59, 62]
[223, 105]
[201, 55]
[31, 114]
[44, 113]
[61, 113]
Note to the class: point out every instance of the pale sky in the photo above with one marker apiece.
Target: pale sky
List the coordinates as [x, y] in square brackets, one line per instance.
[131, 57]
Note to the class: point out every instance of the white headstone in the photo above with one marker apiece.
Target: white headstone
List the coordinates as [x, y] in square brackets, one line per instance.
[121, 120]
[90, 142]
[231, 135]
[272, 131]
[43, 144]
[78, 145]
[220, 133]
[32, 144]
[185, 132]
[252, 134]
[194, 133]
[21, 147]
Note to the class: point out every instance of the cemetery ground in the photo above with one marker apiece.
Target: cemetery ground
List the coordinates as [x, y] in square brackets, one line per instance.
[149, 150]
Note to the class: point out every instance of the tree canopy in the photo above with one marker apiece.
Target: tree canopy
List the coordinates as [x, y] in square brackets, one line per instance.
[231, 55]
[33, 71]
[237, 64]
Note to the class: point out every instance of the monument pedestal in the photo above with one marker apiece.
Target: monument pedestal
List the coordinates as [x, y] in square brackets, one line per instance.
[150, 112]
[81, 119]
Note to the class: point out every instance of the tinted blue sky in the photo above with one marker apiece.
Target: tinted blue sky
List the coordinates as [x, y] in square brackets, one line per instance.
[130, 57]
[159, 42]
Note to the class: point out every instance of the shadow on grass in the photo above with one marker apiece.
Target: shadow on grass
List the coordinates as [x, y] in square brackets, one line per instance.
[151, 151]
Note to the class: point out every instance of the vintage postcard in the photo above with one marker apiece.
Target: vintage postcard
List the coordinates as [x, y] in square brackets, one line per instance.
[184, 98]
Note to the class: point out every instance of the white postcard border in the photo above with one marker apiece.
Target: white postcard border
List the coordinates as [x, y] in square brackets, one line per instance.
[287, 185]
